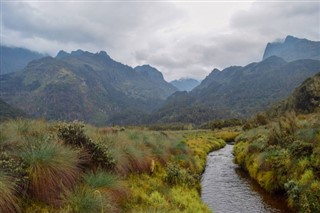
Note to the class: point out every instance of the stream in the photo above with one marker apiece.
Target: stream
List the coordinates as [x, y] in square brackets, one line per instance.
[228, 189]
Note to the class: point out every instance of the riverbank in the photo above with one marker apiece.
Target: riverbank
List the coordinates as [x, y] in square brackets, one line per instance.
[72, 167]
[175, 186]
[223, 176]
[283, 157]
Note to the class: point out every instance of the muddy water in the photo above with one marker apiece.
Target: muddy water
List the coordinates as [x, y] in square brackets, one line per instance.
[227, 189]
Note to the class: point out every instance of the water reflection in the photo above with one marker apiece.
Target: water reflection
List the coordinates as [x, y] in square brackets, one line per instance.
[226, 188]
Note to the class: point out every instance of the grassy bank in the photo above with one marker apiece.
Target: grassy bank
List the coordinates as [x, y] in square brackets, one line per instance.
[70, 167]
[284, 157]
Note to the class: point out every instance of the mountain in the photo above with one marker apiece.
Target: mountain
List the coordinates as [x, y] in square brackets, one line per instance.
[185, 84]
[304, 99]
[15, 59]
[237, 91]
[293, 49]
[7, 111]
[85, 86]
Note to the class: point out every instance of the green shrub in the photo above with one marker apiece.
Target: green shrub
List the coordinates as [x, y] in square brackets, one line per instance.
[300, 149]
[15, 168]
[176, 175]
[73, 134]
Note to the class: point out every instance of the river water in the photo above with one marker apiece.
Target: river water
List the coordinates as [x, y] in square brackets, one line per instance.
[227, 189]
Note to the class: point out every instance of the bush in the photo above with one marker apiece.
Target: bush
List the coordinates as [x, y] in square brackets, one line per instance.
[283, 132]
[73, 134]
[176, 175]
[300, 149]
[15, 168]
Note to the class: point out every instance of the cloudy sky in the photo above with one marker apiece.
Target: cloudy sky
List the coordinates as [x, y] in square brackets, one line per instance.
[180, 38]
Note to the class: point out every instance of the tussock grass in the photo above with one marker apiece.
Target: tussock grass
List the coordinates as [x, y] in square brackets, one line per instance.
[8, 199]
[52, 168]
[72, 167]
[84, 200]
[285, 157]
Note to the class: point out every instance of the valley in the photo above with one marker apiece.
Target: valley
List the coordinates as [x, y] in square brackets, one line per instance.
[82, 132]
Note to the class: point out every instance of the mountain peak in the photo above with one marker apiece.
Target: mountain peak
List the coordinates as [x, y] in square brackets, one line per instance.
[62, 54]
[290, 38]
[293, 48]
[77, 52]
[103, 54]
[149, 71]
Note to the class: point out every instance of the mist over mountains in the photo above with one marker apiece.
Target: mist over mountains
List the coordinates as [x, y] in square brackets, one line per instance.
[97, 89]
[15, 59]
[185, 84]
[293, 48]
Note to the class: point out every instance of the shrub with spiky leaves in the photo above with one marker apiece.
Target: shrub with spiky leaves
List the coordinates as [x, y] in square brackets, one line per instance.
[52, 168]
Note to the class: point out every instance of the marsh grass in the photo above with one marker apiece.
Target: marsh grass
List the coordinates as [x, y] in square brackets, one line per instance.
[52, 168]
[84, 200]
[72, 167]
[8, 199]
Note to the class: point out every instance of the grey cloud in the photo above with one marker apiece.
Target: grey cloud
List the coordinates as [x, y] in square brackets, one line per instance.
[278, 19]
[160, 33]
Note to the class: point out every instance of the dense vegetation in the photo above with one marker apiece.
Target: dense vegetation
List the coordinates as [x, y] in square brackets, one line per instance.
[283, 156]
[99, 90]
[69, 167]
[282, 151]
[237, 92]
[85, 86]
[7, 111]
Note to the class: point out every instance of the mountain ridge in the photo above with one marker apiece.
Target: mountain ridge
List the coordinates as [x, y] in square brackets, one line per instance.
[84, 86]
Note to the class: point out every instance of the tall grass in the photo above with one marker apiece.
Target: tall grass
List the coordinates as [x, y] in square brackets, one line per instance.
[52, 168]
[84, 200]
[8, 199]
[71, 167]
[285, 157]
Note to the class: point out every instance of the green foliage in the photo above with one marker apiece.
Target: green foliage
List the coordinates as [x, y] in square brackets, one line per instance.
[15, 168]
[283, 132]
[227, 136]
[85, 200]
[60, 168]
[285, 157]
[73, 134]
[177, 175]
[101, 179]
[7, 111]
[219, 124]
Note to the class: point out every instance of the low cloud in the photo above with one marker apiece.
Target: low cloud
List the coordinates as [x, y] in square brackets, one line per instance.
[180, 39]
